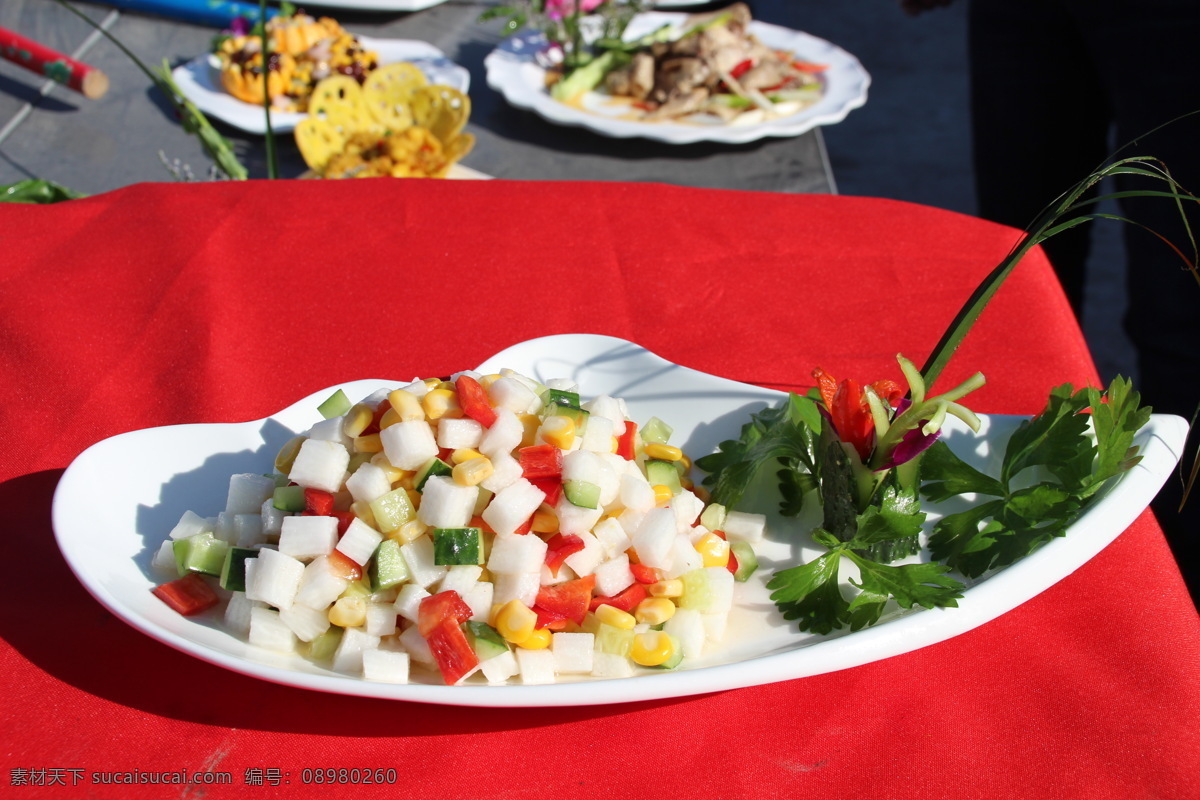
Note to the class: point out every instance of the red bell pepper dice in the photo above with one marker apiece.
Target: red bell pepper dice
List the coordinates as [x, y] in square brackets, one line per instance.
[732, 563]
[344, 566]
[559, 547]
[318, 502]
[626, 600]
[452, 652]
[644, 574]
[373, 426]
[344, 519]
[441, 606]
[540, 461]
[473, 400]
[188, 595]
[570, 600]
[627, 441]
[551, 487]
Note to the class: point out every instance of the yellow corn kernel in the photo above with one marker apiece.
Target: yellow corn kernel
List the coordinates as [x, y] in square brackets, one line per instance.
[662, 494]
[406, 405]
[651, 648]
[702, 494]
[538, 640]
[545, 520]
[686, 483]
[357, 419]
[654, 610]
[287, 454]
[393, 473]
[473, 472]
[363, 511]
[410, 531]
[440, 403]
[612, 448]
[558, 431]
[368, 444]
[464, 454]
[529, 424]
[667, 588]
[515, 621]
[350, 611]
[611, 615]
[663, 452]
[713, 549]
[684, 462]
[389, 418]
[487, 380]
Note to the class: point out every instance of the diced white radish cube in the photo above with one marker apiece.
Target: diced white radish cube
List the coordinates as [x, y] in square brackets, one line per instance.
[446, 504]
[613, 576]
[598, 436]
[687, 508]
[455, 434]
[512, 506]
[306, 537]
[499, 668]
[575, 519]
[612, 467]
[654, 539]
[521, 586]
[307, 623]
[418, 555]
[348, 658]
[581, 465]
[417, 387]
[460, 578]
[505, 472]
[191, 524]
[247, 492]
[408, 601]
[636, 493]
[537, 666]
[584, 562]
[319, 586]
[504, 435]
[515, 553]
[223, 529]
[408, 444]
[563, 385]
[611, 665]
[272, 519]
[416, 645]
[605, 406]
[631, 520]
[509, 392]
[368, 482]
[687, 626]
[331, 431]
[709, 591]
[276, 578]
[248, 530]
[684, 557]
[359, 541]
[164, 558]
[612, 537]
[381, 619]
[320, 465]
[237, 612]
[268, 631]
[479, 597]
[572, 652]
[385, 666]
[742, 526]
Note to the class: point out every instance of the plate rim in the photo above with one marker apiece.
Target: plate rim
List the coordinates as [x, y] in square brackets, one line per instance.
[503, 70]
[1000, 593]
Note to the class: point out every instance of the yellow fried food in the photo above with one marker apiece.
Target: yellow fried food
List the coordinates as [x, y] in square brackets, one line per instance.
[389, 91]
[319, 141]
[442, 109]
[339, 100]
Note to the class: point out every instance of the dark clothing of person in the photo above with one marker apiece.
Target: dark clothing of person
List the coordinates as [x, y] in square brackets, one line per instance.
[1056, 87]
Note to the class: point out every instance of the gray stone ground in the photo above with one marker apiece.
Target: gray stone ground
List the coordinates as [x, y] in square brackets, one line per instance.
[911, 140]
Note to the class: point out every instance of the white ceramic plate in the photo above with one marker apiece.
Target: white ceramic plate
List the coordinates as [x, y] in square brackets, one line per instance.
[514, 71]
[376, 5]
[109, 529]
[199, 80]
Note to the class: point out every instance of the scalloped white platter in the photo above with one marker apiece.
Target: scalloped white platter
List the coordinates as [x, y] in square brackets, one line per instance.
[513, 69]
[199, 80]
[108, 530]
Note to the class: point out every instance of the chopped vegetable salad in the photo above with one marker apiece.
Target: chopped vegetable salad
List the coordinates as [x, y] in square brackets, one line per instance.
[486, 529]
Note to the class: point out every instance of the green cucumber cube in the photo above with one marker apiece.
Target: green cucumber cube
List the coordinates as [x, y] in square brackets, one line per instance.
[388, 567]
[663, 473]
[457, 546]
[288, 498]
[563, 398]
[486, 640]
[747, 561]
[324, 646]
[434, 466]
[656, 431]
[200, 553]
[713, 517]
[335, 405]
[582, 493]
[392, 510]
[233, 571]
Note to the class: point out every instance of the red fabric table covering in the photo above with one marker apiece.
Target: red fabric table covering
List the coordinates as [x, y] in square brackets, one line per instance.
[162, 304]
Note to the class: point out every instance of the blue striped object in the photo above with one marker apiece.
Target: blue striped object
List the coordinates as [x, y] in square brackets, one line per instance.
[217, 13]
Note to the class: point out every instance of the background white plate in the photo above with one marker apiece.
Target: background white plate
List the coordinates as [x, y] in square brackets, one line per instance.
[513, 70]
[108, 530]
[199, 81]
[377, 5]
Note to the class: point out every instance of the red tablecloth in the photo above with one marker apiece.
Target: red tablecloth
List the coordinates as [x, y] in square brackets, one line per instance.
[168, 304]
